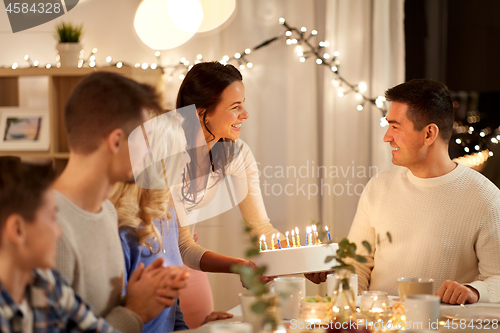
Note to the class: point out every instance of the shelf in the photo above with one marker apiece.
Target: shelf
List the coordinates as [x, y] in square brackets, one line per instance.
[61, 82]
[75, 71]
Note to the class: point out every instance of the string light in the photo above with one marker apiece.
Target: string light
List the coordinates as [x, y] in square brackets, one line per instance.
[474, 159]
[300, 38]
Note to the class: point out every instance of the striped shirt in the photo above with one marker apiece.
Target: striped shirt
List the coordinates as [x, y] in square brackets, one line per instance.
[54, 305]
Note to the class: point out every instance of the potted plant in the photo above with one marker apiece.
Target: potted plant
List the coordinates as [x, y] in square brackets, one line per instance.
[68, 35]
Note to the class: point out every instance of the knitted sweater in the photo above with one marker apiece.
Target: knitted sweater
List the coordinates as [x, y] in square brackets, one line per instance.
[444, 228]
[244, 174]
[90, 258]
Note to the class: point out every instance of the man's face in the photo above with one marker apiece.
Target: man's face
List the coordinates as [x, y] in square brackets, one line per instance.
[406, 142]
[42, 235]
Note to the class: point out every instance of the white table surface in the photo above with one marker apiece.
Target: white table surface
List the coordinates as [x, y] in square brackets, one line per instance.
[472, 309]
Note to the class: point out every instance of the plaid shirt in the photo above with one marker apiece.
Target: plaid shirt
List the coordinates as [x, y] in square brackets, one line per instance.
[55, 306]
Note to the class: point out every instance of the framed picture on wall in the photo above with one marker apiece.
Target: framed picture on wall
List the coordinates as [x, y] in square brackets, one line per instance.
[24, 130]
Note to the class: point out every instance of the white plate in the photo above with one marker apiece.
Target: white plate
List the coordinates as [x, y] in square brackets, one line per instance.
[468, 313]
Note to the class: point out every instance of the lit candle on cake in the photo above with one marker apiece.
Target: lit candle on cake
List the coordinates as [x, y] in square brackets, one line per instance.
[264, 240]
[272, 241]
[287, 240]
[308, 236]
[328, 233]
[317, 241]
[298, 238]
[293, 238]
[278, 239]
[260, 243]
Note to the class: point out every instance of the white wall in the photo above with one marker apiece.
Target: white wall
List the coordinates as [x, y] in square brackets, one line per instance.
[282, 97]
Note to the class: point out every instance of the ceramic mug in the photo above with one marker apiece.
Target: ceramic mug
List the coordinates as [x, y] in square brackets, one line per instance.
[414, 286]
[422, 311]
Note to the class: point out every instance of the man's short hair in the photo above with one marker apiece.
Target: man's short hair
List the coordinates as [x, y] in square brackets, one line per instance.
[22, 186]
[429, 102]
[103, 102]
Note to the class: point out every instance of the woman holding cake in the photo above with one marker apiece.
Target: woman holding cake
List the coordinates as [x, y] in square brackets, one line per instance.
[218, 93]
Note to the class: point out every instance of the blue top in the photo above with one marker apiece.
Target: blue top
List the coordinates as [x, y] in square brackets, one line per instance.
[170, 319]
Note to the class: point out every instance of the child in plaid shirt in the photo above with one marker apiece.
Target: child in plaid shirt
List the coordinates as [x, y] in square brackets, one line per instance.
[34, 298]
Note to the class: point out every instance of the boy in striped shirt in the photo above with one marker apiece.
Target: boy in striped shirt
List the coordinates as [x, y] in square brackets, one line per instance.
[33, 297]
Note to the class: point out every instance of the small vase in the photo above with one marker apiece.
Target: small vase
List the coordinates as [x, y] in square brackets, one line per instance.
[69, 54]
[343, 299]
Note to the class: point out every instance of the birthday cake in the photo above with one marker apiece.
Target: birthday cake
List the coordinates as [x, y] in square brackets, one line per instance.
[297, 260]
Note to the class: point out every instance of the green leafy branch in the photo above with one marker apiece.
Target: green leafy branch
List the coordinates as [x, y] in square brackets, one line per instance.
[347, 252]
[252, 278]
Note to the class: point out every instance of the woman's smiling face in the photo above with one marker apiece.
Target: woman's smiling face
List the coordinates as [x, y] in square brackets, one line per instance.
[225, 121]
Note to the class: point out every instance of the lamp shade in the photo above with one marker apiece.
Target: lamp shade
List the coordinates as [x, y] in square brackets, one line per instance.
[155, 27]
[215, 13]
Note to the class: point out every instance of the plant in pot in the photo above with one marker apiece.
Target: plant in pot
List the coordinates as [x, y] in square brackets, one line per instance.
[68, 35]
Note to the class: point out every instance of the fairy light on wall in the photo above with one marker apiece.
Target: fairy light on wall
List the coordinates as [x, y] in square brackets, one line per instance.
[305, 48]
[477, 144]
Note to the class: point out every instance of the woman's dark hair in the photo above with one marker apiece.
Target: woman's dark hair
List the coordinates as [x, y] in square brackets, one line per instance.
[22, 186]
[203, 87]
[429, 102]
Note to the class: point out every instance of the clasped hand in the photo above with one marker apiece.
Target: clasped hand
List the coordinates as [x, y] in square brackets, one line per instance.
[152, 289]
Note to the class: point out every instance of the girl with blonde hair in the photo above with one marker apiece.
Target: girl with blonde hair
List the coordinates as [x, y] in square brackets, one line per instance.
[147, 219]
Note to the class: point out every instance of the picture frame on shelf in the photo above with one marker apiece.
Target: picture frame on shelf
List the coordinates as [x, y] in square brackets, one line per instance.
[24, 129]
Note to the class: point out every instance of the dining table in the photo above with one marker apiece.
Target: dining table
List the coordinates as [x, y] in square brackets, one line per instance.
[453, 318]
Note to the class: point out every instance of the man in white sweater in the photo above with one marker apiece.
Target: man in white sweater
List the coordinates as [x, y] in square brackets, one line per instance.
[99, 115]
[444, 218]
